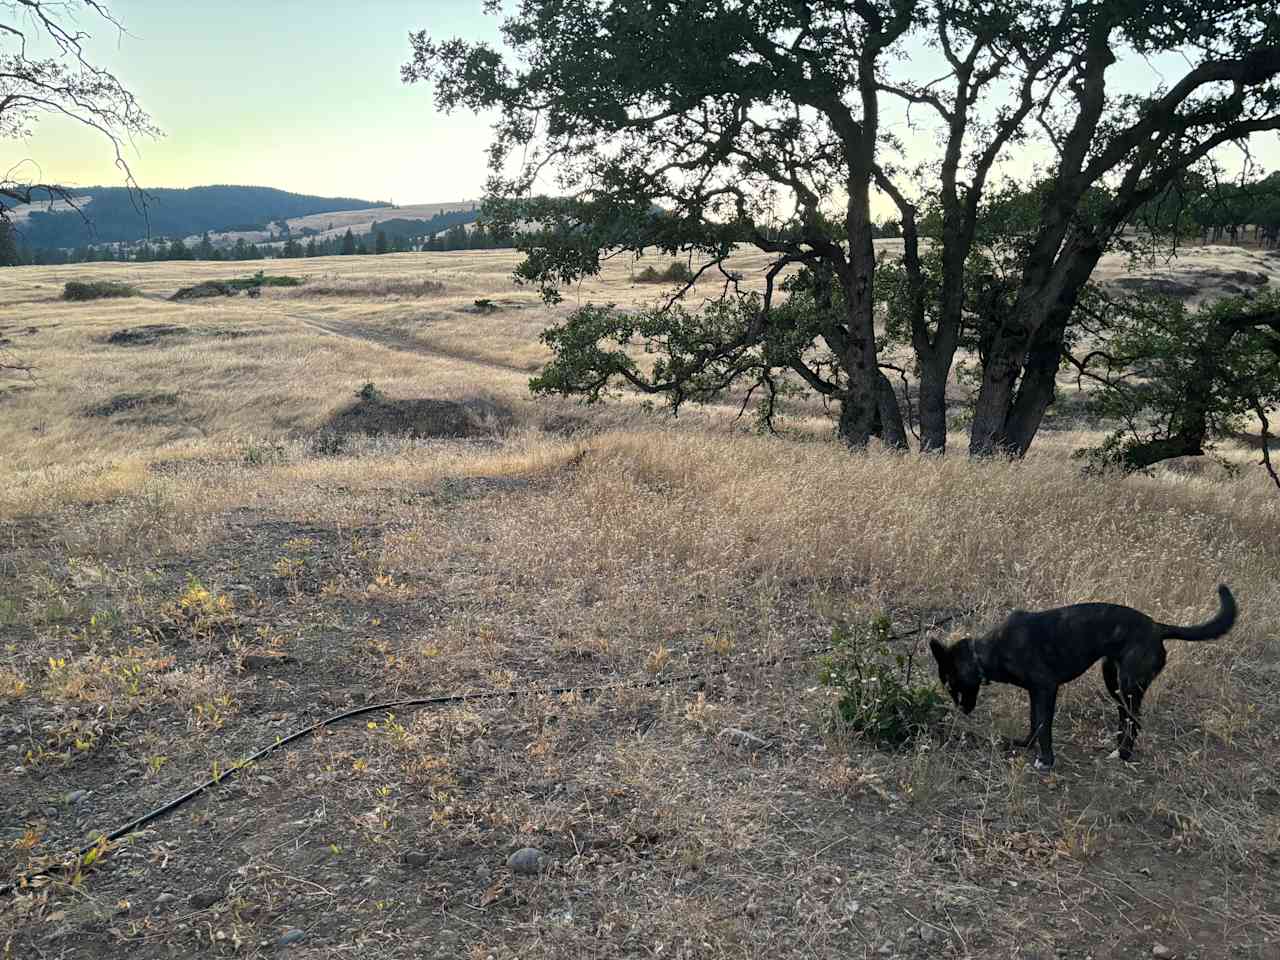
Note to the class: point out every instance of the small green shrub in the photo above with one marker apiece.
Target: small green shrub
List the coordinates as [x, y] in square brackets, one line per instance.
[98, 290]
[879, 697]
[233, 286]
[256, 452]
[370, 393]
[328, 443]
[261, 279]
[676, 272]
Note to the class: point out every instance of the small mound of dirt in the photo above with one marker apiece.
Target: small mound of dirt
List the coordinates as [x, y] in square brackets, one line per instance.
[1228, 278]
[12, 393]
[1162, 286]
[147, 334]
[209, 288]
[133, 403]
[564, 425]
[424, 419]
[1250, 278]
[153, 333]
[1196, 282]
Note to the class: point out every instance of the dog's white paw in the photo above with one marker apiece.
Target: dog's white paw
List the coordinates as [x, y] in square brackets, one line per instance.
[1114, 755]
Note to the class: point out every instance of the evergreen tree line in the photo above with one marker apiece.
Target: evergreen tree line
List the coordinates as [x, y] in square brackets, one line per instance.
[15, 253]
[1215, 212]
[116, 217]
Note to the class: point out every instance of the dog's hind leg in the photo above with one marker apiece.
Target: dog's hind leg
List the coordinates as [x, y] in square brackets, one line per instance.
[1111, 677]
[1135, 678]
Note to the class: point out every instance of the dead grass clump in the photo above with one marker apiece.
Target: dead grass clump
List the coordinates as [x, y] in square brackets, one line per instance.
[123, 681]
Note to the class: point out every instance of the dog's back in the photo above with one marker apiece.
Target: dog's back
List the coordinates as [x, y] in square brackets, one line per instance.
[1064, 642]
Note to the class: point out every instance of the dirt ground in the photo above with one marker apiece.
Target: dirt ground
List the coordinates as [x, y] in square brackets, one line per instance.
[194, 563]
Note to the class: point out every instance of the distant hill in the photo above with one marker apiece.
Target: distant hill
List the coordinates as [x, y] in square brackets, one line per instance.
[115, 217]
[359, 221]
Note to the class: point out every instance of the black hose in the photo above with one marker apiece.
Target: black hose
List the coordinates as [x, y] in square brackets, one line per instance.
[172, 805]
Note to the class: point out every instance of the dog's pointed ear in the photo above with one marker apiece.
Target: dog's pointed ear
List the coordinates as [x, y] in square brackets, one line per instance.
[940, 652]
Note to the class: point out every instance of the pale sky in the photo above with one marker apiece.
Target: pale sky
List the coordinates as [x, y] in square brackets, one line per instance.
[304, 95]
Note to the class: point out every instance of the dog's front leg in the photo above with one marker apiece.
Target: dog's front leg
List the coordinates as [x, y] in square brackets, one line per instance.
[1030, 738]
[1044, 702]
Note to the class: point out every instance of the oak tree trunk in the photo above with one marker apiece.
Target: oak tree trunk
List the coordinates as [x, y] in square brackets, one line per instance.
[933, 405]
[892, 430]
[995, 396]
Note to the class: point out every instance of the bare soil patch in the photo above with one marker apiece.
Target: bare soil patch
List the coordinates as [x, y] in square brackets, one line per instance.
[146, 335]
[152, 334]
[425, 418]
[1163, 286]
[136, 405]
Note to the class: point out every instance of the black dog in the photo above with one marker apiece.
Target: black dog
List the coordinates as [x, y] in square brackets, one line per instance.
[1041, 651]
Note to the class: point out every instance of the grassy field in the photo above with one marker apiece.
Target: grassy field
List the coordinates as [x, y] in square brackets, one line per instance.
[201, 550]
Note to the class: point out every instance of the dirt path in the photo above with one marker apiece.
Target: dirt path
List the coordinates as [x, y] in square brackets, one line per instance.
[392, 340]
[372, 333]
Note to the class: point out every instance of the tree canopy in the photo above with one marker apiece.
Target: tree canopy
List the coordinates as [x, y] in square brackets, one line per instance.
[689, 126]
[1176, 379]
[63, 83]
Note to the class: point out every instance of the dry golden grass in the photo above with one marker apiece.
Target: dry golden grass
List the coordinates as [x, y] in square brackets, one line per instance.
[182, 582]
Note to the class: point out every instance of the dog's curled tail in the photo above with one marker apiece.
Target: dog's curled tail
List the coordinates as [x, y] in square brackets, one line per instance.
[1210, 630]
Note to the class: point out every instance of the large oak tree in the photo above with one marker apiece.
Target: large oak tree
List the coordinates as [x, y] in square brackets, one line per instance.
[691, 125]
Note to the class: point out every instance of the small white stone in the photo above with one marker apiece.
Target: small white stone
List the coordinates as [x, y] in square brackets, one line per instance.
[528, 860]
[291, 936]
[742, 739]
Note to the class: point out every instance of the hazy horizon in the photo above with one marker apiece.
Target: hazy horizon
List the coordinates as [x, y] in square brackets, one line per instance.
[304, 97]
